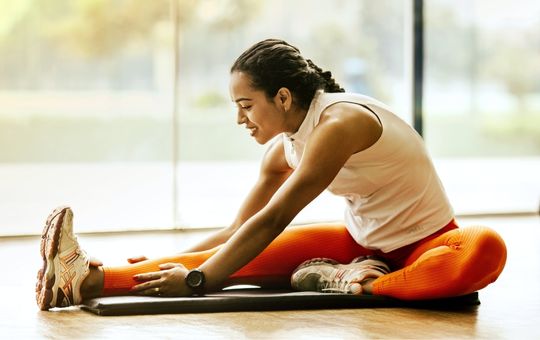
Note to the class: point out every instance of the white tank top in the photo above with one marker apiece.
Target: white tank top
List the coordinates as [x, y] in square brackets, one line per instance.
[393, 194]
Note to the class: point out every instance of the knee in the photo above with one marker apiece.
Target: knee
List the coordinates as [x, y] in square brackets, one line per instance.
[489, 247]
[486, 257]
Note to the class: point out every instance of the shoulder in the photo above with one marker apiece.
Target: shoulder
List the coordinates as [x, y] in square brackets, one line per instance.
[274, 160]
[348, 112]
[353, 123]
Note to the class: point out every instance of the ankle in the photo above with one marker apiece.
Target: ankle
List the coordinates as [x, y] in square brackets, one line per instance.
[92, 285]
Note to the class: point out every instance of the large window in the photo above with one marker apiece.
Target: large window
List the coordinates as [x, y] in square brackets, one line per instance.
[85, 113]
[482, 102]
[88, 103]
[121, 108]
[219, 161]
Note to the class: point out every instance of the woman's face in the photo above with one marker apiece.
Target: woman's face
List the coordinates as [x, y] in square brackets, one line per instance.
[262, 117]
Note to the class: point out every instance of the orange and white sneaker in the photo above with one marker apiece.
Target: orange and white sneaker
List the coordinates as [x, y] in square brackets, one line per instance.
[65, 265]
[328, 276]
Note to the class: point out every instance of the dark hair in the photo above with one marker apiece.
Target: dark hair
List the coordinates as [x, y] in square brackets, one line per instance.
[272, 64]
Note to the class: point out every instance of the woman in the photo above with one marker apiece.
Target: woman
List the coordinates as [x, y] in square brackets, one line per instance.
[397, 218]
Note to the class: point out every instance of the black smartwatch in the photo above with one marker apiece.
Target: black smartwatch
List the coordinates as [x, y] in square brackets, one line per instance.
[195, 280]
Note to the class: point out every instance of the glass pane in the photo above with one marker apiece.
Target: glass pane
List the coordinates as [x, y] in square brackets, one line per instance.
[482, 102]
[218, 160]
[85, 114]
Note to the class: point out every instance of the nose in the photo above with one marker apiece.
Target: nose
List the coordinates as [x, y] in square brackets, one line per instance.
[240, 117]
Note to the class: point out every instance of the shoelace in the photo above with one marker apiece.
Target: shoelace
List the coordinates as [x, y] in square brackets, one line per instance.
[340, 282]
[344, 278]
[336, 287]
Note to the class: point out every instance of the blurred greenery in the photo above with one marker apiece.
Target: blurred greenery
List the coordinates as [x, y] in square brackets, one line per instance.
[117, 46]
[62, 139]
[210, 99]
[520, 128]
[98, 28]
[12, 12]
[466, 136]
[101, 28]
[95, 28]
[518, 69]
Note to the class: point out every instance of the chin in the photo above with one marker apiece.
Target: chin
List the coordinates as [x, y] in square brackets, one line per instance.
[264, 138]
[261, 141]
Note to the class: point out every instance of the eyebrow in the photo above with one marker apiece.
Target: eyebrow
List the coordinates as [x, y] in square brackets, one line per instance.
[240, 99]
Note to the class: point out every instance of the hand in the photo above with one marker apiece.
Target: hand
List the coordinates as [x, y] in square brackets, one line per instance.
[136, 259]
[170, 281]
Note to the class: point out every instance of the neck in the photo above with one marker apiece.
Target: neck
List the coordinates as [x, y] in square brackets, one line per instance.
[295, 118]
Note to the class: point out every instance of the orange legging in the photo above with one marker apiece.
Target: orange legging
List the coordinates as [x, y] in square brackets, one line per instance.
[452, 261]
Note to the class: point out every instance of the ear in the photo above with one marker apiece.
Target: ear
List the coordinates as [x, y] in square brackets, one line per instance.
[284, 98]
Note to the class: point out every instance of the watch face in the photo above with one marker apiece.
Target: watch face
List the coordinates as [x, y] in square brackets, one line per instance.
[195, 279]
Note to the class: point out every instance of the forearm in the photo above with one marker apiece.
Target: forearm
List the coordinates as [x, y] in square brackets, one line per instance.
[253, 237]
[260, 230]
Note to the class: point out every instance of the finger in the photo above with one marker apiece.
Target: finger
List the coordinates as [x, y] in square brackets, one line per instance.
[147, 276]
[145, 289]
[136, 259]
[149, 292]
[146, 285]
[170, 265]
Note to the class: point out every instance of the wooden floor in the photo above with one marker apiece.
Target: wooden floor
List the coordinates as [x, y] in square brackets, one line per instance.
[510, 307]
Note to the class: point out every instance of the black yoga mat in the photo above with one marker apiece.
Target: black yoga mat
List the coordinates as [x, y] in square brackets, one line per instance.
[258, 300]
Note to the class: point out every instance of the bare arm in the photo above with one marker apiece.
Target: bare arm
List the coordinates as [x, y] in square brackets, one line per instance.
[344, 130]
[274, 171]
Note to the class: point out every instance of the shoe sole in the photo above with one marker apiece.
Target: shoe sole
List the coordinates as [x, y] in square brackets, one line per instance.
[49, 250]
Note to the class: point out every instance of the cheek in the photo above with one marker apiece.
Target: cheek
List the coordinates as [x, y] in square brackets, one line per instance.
[256, 116]
[259, 118]
[265, 115]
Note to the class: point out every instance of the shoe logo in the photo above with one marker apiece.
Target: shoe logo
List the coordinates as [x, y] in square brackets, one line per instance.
[68, 274]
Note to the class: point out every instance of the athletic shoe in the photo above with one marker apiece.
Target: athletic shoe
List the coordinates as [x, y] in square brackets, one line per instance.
[65, 265]
[328, 276]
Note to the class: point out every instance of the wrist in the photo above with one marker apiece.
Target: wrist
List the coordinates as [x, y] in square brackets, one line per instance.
[196, 281]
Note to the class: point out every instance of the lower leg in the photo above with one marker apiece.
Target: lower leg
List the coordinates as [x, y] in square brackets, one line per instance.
[272, 267]
[108, 281]
[92, 286]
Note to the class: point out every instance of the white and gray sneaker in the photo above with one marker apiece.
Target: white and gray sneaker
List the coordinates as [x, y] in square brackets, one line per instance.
[65, 264]
[328, 276]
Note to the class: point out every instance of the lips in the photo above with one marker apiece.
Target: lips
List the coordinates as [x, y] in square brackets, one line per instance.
[252, 129]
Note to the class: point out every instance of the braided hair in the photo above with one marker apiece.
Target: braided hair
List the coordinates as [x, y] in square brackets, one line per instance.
[272, 64]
